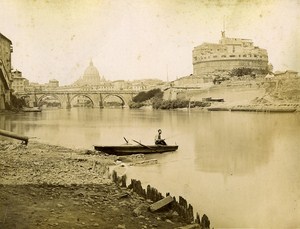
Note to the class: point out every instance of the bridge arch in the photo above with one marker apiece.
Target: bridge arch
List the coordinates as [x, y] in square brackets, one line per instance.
[43, 96]
[83, 95]
[115, 95]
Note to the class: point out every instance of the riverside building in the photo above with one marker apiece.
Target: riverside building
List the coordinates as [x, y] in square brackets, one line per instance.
[228, 54]
[5, 70]
[19, 83]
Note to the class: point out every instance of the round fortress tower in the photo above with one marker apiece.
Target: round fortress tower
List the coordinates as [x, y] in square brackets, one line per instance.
[228, 54]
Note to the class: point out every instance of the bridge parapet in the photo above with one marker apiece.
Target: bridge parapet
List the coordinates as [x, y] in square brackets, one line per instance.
[81, 91]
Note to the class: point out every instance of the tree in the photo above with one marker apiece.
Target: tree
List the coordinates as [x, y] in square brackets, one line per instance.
[16, 102]
[144, 96]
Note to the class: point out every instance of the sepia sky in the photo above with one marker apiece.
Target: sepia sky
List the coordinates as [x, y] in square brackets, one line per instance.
[137, 39]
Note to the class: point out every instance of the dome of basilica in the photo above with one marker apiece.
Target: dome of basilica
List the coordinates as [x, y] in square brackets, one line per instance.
[90, 77]
[91, 73]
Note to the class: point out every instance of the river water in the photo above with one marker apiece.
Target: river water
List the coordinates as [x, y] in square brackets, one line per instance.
[240, 169]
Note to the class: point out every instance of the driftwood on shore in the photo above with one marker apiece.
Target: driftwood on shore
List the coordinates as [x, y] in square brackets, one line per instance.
[10, 134]
[161, 203]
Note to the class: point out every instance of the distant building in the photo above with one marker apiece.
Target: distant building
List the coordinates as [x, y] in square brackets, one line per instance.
[90, 77]
[146, 84]
[286, 74]
[19, 83]
[139, 86]
[53, 84]
[228, 54]
[269, 76]
[32, 86]
[119, 85]
[5, 70]
[91, 80]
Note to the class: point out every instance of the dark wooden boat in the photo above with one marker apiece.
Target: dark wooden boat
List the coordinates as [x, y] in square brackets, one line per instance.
[136, 149]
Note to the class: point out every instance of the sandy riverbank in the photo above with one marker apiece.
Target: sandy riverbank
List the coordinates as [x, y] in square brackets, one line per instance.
[45, 186]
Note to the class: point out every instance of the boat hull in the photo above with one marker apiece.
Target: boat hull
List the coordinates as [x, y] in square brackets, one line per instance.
[135, 149]
[31, 109]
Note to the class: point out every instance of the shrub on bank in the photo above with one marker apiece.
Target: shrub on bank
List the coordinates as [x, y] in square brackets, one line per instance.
[144, 96]
[174, 104]
[16, 103]
[178, 103]
[134, 105]
[199, 104]
[154, 97]
[248, 71]
[156, 103]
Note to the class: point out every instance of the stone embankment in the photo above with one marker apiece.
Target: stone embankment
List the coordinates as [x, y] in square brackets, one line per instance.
[45, 186]
[242, 94]
[257, 105]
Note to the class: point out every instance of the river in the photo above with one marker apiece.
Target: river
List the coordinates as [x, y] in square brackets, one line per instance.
[240, 169]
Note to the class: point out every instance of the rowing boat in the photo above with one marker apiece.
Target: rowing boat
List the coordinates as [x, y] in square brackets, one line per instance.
[136, 149]
[31, 109]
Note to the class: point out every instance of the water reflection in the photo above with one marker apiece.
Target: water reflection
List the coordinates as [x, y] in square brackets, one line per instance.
[233, 144]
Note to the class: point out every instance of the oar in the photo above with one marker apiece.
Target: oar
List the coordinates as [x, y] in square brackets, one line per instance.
[125, 140]
[143, 145]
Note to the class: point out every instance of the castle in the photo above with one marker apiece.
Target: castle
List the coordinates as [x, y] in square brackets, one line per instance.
[228, 54]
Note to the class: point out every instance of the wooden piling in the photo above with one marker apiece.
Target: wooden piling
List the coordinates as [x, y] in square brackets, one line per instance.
[123, 181]
[148, 193]
[114, 176]
[205, 221]
[181, 206]
[197, 220]
[190, 213]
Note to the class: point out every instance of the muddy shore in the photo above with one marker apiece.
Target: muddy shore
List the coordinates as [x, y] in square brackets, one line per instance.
[46, 186]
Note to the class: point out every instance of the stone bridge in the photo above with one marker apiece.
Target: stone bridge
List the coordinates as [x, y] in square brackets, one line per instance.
[66, 97]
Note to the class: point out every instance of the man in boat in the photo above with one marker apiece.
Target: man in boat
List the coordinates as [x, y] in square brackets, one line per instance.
[158, 139]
